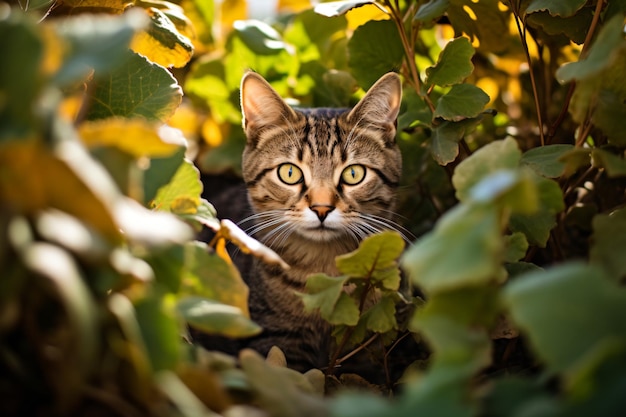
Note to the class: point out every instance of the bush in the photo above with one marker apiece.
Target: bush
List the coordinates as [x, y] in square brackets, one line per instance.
[513, 142]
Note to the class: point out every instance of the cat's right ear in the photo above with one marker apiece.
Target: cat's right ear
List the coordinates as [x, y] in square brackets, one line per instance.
[261, 105]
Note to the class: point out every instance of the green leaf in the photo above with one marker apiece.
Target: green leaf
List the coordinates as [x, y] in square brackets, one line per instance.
[214, 317]
[431, 11]
[516, 247]
[444, 143]
[376, 258]
[374, 50]
[609, 115]
[467, 239]
[475, 24]
[453, 65]
[498, 155]
[601, 54]
[565, 330]
[345, 311]
[414, 111]
[260, 37]
[20, 81]
[208, 275]
[564, 8]
[574, 27]
[160, 333]
[381, 317]
[326, 294]
[537, 226]
[463, 101]
[546, 160]
[182, 193]
[96, 42]
[137, 88]
[613, 164]
[160, 173]
[608, 243]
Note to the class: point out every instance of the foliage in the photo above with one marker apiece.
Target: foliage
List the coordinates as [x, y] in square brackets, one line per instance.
[513, 141]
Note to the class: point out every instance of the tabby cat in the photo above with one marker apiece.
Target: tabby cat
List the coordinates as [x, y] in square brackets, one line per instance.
[319, 181]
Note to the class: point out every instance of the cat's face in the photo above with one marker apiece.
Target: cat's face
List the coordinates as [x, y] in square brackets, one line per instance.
[321, 174]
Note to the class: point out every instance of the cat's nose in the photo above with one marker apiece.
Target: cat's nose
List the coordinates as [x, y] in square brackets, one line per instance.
[322, 210]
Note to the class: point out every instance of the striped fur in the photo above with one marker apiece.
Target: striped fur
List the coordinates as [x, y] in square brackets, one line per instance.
[310, 222]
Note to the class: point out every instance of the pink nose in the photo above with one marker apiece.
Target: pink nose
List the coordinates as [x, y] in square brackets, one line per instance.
[322, 210]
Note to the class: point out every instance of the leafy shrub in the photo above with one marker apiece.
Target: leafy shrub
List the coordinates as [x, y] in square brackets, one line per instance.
[513, 140]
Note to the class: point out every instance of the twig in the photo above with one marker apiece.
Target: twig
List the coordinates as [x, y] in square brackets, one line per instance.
[357, 350]
[533, 81]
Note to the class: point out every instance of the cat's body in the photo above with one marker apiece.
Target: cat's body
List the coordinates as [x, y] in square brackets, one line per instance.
[318, 181]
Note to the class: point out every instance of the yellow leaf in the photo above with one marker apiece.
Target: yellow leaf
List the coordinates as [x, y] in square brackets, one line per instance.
[185, 205]
[294, 6]
[34, 178]
[231, 11]
[137, 137]
[212, 133]
[361, 15]
[162, 43]
[186, 119]
[116, 6]
[54, 51]
[220, 250]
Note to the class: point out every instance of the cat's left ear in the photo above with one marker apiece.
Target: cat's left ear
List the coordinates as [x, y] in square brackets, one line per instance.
[381, 105]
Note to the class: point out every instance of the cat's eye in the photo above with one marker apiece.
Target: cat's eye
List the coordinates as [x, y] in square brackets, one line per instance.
[290, 174]
[353, 174]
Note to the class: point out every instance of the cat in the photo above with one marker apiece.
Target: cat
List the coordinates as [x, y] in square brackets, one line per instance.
[318, 181]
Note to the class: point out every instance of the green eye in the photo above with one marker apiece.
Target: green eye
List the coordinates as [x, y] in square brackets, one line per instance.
[289, 174]
[353, 174]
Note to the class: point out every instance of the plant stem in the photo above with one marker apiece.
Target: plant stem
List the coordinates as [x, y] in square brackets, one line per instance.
[522, 33]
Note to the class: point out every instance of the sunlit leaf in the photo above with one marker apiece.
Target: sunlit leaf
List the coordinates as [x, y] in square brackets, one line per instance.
[160, 333]
[431, 11]
[160, 173]
[162, 43]
[216, 318]
[95, 43]
[56, 184]
[208, 275]
[601, 53]
[374, 50]
[453, 65]
[565, 330]
[337, 8]
[138, 88]
[473, 24]
[247, 244]
[184, 186]
[260, 37]
[609, 243]
[463, 101]
[498, 155]
[376, 259]
[468, 239]
[137, 137]
[116, 6]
